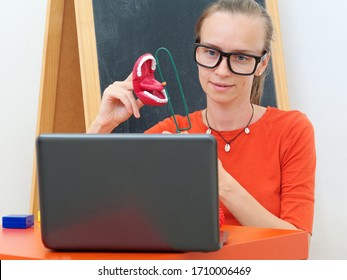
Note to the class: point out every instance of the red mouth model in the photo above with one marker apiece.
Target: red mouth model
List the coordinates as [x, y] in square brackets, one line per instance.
[146, 87]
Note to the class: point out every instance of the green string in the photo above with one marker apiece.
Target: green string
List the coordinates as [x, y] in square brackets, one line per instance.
[178, 129]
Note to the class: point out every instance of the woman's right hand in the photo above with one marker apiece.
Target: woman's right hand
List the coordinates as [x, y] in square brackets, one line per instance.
[118, 103]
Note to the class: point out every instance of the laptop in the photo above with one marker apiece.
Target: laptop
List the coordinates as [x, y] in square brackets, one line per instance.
[128, 192]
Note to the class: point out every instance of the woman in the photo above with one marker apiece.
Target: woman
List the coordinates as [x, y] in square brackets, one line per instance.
[266, 156]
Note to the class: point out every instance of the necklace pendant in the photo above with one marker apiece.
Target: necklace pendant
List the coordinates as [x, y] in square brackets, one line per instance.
[247, 131]
[227, 147]
[208, 131]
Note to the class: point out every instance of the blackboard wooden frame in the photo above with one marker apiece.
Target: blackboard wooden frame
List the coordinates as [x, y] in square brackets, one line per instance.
[70, 92]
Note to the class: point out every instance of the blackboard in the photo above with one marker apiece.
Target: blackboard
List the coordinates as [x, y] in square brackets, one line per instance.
[126, 29]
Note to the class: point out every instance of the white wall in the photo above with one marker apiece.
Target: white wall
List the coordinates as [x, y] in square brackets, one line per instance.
[22, 26]
[314, 37]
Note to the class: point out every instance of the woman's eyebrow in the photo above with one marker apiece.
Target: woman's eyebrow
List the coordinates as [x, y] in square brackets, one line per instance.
[241, 51]
[210, 45]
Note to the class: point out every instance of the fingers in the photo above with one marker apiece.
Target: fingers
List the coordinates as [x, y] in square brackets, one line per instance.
[123, 92]
[168, 132]
[129, 102]
[136, 107]
[128, 82]
[130, 77]
[136, 104]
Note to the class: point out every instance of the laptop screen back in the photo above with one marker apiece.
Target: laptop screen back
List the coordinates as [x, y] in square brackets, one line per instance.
[128, 192]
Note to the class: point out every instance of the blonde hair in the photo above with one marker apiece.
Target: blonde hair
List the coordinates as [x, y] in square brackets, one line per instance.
[245, 7]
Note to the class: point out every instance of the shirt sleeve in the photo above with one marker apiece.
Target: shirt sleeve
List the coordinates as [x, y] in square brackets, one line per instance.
[298, 173]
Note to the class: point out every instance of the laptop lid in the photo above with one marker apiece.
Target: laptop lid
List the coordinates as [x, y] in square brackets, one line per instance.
[128, 192]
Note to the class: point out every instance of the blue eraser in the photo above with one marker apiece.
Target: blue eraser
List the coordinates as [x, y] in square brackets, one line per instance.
[17, 221]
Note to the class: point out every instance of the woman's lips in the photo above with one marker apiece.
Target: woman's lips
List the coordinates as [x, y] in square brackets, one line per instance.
[221, 86]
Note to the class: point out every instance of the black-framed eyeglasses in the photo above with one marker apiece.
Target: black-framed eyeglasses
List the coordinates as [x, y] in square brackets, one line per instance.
[238, 63]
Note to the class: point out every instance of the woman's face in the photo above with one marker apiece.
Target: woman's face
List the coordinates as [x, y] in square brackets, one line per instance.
[231, 33]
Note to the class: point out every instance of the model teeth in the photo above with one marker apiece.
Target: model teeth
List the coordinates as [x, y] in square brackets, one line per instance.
[155, 98]
[143, 60]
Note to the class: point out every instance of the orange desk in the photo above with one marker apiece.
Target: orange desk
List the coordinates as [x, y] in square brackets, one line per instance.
[245, 243]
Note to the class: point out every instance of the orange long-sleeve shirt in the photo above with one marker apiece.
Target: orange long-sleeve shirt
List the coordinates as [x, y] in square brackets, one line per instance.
[275, 163]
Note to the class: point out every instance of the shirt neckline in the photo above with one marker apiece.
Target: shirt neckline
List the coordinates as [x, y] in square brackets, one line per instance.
[251, 126]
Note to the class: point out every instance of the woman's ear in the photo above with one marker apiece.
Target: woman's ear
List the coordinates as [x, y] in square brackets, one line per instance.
[262, 65]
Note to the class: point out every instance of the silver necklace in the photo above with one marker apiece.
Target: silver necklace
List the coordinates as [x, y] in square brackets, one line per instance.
[246, 130]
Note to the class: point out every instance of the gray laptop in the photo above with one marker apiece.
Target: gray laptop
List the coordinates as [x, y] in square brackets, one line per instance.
[128, 192]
